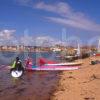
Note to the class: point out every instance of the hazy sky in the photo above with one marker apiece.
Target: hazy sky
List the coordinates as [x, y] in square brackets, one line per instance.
[49, 18]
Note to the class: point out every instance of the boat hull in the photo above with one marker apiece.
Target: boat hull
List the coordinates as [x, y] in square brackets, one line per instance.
[53, 68]
[98, 54]
[66, 64]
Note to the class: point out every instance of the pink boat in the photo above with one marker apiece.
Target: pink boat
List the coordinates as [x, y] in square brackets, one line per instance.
[44, 67]
[50, 65]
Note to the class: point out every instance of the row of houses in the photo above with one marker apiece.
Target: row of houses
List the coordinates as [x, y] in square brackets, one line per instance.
[32, 48]
[22, 48]
[41, 49]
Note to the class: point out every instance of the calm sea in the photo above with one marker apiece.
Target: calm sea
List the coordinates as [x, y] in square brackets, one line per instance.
[7, 57]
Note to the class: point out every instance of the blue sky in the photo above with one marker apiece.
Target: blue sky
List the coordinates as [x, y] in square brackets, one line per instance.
[48, 18]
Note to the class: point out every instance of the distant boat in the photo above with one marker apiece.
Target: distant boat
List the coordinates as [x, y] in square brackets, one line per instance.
[56, 50]
[77, 55]
[78, 51]
[70, 57]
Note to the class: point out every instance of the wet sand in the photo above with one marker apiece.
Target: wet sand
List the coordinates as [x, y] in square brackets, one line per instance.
[82, 84]
[31, 86]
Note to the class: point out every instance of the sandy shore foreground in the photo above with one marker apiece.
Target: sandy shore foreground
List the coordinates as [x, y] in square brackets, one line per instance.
[82, 84]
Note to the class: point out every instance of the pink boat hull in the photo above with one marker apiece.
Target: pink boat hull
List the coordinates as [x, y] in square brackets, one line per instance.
[54, 68]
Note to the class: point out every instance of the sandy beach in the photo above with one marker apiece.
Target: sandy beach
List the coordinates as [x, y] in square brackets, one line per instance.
[82, 84]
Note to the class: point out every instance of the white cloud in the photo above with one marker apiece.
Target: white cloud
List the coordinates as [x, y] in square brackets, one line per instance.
[73, 23]
[68, 16]
[26, 40]
[6, 34]
[60, 8]
[44, 41]
[48, 41]
[7, 37]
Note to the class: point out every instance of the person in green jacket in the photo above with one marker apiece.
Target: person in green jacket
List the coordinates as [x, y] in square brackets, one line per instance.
[17, 64]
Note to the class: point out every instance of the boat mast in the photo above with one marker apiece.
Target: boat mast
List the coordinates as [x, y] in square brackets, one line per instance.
[99, 46]
[78, 50]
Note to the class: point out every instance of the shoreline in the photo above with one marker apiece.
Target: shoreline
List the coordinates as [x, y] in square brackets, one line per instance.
[82, 84]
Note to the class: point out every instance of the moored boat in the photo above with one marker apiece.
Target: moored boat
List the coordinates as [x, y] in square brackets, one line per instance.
[53, 68]
[66, 64]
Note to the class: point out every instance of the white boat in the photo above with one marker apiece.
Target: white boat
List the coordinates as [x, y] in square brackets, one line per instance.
[53, 69]
[65, 64]
[77, 54]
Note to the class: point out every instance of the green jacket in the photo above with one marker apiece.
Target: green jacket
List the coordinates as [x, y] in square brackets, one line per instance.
[13, 65]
